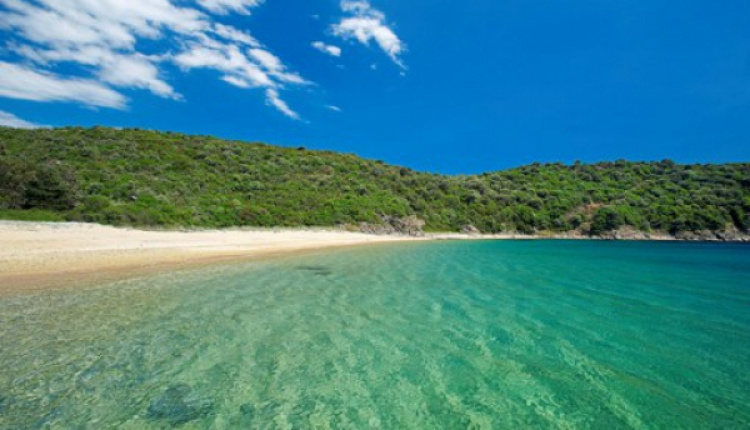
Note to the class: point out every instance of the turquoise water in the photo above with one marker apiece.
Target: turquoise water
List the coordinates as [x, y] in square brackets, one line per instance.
[450, 335]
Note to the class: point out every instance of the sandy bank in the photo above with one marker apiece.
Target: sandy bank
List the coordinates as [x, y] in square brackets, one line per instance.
[37, 255]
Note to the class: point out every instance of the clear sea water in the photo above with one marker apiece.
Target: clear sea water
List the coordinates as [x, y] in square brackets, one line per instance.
[447, 335]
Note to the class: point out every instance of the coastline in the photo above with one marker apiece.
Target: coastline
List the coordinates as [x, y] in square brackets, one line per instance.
[37, 256]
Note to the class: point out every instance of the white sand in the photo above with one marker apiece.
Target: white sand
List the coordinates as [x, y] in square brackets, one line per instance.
[35, 255]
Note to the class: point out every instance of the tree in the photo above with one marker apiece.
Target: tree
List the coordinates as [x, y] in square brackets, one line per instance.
[52, 186]
[606, 219]
[14, 179]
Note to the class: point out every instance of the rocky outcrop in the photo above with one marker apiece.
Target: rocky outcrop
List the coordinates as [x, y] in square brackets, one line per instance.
[412, 226]
[733, 236]
[470, 229]
[626, 233]
[713, 236]
[630, 233]
[409, 226]
[701, 235]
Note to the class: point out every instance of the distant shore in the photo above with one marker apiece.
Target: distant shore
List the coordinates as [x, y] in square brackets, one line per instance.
[626, 234]
[41, 255]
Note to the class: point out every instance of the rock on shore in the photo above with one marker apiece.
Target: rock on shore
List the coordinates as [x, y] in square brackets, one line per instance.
[409, 226]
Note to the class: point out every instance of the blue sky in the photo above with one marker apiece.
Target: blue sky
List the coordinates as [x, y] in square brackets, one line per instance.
[447, 86]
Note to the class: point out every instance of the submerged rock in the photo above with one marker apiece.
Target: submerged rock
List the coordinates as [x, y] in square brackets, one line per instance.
[311, 268]
[179, 404]
[247, 410]
[48, 420]
[317, 270]
[264, 413]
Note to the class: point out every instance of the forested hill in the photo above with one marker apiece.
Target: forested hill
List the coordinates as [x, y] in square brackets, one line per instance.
[148, 178]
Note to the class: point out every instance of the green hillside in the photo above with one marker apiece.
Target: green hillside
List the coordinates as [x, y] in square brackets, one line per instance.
[148, 178]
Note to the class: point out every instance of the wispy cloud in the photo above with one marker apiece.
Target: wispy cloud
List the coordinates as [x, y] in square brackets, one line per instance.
[25, 83]
[272, 98]
[232, 34]
[331, 50]
[334, 108]
[364, 24]
[227, 6]
[102, 38]
[7, 119]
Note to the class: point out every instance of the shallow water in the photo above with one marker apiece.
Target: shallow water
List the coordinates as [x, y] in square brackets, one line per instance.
[496, 334]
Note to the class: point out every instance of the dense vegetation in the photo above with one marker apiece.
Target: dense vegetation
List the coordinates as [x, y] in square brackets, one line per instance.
[148, 178]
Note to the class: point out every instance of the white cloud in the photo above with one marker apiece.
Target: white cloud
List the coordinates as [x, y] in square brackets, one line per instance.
[102, 38]
[233, 35]
[332, 50]
[334, 108]
[227, 59]
[223, 7]
[7, 119]
[274, 66]
[272, 98]
[112, 23]
[122, 70]
[23, 83]
[135, 71]
[364, 23]
[269, 61]
[237, 82]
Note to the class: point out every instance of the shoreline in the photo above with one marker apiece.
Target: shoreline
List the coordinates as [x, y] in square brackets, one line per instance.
[36, 256]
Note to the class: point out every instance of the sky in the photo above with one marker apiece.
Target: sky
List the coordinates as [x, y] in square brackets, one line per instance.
[442, 86]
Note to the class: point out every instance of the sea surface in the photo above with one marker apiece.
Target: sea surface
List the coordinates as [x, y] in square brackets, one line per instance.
[430, 335]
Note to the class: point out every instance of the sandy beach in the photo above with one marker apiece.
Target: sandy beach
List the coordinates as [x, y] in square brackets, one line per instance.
[37, 255]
